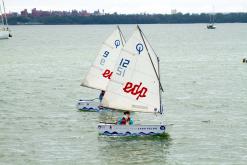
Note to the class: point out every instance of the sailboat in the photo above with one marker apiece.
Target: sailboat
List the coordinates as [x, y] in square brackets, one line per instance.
[211, 21]
[211, 24]
[5, 32]
[99, 74]
[135, 87]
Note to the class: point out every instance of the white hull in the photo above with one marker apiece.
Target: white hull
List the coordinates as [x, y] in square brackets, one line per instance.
[130, 130]
[4, 34]
[211, 26]
[88, 105]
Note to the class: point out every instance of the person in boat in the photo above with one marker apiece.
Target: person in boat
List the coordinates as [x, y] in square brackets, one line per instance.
[101, 95]
[244, 60]
[125, 120]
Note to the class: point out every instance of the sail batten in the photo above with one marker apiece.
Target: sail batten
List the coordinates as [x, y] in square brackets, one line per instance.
[135, 84]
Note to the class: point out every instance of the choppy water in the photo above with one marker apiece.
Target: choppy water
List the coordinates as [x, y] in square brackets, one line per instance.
[205, 97]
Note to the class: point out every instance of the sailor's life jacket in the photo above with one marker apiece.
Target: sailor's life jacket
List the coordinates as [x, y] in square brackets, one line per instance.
[123, 121]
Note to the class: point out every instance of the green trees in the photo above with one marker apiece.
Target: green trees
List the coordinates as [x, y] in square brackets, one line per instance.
[130, 19]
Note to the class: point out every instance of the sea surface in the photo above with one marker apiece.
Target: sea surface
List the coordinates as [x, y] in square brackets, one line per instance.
[205, 97]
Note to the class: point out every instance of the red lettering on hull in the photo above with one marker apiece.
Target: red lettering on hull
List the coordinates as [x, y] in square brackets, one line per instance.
[135, 90]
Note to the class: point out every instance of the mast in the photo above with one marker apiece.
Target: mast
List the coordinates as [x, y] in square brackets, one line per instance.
[210, 18]
[6, 20]
[121, 36]
[1, 13]
[161, 108]
[213, 14]
[156, 72]
[213, 18]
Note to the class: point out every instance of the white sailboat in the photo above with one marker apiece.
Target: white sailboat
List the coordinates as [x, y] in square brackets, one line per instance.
[211, 20]
[5, 32]
[99, 74]
[134, 87]
[211, 24]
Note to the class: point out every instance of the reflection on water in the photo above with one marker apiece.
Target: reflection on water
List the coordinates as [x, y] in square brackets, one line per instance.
[109, 116]
[134, 150]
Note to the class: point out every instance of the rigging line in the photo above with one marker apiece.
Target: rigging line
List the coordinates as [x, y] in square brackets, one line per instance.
[121, 35]
[153, 51]
[151, 59]
[150, 45]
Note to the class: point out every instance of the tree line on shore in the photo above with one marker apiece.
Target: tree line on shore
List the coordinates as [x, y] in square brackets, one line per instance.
[131, 19]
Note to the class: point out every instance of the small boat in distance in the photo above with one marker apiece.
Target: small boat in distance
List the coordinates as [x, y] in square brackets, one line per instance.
[5, 32]
[101, 70]
[135, 87]
[211, 26]
[211, 21]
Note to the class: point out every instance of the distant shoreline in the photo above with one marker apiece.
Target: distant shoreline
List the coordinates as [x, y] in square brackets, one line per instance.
[121, 24]
[178, 18]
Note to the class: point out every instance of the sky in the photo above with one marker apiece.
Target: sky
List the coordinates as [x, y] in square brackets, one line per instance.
[131, 6]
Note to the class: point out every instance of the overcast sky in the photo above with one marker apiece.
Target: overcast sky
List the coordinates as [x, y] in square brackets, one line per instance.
[132, 6]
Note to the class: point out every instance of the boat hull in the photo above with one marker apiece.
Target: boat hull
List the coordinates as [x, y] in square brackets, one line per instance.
[130, 130]
[4, 34]
[88, 105]
[211, 27]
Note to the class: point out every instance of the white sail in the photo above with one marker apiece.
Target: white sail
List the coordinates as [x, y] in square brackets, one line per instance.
[1, 15]
[135, 85]
[102, 68]
[5, 32]
[6, 20]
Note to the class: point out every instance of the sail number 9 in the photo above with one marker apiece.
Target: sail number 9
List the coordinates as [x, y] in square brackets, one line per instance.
[122, 67]
[103, 59]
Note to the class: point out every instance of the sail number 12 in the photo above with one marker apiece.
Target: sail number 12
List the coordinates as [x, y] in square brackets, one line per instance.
[122, 67]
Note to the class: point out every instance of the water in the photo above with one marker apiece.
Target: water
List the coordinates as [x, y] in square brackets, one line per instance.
[205, 97]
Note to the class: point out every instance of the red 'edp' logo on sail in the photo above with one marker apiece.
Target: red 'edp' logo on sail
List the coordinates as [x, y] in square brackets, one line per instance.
[107, 74]
[135, 90]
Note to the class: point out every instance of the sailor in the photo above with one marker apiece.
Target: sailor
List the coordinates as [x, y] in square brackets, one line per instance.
[125, 120]
[101, 95]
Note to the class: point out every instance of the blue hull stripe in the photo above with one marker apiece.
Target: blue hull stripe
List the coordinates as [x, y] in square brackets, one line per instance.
[89, 109]
[128, 134]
